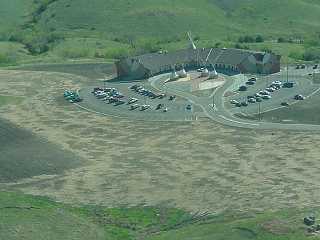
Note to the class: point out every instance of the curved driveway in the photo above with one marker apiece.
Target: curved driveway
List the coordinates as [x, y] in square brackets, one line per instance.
[220, 114]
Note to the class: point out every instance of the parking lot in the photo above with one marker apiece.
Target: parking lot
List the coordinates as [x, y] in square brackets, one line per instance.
[136, 101]
[272, 92]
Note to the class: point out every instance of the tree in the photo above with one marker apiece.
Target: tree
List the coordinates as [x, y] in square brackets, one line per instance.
[259, 39]
[281, 40]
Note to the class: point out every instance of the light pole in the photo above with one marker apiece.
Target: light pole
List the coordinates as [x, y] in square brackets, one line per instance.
[287, 72]
[259, 111]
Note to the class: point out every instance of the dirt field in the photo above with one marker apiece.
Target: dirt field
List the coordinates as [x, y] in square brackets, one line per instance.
[196, 166]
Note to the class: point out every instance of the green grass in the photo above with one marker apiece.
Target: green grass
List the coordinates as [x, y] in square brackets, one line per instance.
[4, 100]
[33, 217]
[105, 28]
[13, 13]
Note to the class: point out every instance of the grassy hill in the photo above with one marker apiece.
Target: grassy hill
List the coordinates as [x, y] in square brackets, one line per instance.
[115, 28]
[30, 217]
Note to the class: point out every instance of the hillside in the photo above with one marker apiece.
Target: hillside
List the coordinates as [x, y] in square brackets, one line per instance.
[109, 28]
[40, 218]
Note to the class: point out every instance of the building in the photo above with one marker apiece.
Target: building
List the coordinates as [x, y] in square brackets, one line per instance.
[231, 60]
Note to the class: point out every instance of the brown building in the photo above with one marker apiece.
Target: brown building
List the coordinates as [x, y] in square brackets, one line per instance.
[231, 60]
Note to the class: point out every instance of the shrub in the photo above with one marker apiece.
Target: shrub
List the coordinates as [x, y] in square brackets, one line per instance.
[74, 52]
[311, 54]
[259, 39]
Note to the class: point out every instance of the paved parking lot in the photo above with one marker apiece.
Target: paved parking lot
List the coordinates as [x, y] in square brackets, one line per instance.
[177, 110]
[303, 85]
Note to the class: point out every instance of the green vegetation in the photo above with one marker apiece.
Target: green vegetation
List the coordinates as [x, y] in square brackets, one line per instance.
[55, 30]
[4, 100]
[33, 217]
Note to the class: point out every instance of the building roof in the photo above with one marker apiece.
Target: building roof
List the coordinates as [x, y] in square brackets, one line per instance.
[155, 61]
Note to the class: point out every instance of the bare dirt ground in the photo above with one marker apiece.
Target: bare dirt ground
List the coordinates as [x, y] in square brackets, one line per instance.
[195, 166]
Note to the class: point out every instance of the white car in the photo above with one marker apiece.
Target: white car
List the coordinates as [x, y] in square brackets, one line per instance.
[263, 93]
[252, 100]
[270, 90]
[233, 101]
[266, 97]
[277, 83]
[132, 100]
[144, 107]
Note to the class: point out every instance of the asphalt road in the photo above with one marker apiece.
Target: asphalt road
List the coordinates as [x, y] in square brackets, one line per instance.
[220, 114]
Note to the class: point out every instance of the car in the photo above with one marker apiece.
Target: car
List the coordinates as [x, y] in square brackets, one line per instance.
[141, 91]
[299, 97]
[119, 95]
[171, 98]
[298, 67]
[266, 97]
[144, 107]
[161, 95]
[189, 107]
[248, 97]
[257, 95]
[165, 110]
[67, 93]
[244, 104]
[107, 90]
[315, 66]
[113, 100]
[252, 79]
[238, 104]
[119, 102]
[285, 104]
[133, 100]
[303, 66]
[200, 70]
[133, 87]
[233, 101]
[96, 89]
[153, 96]
[100, 96]
[250, 83]
[258, 99]
[276, 83]
[252, 100]
[270, 90]
[288, 85]
[134, 106]
[243, 88]
[138, 89]
[107, 98]
[275, 87]
[264, 93]
[159, 106]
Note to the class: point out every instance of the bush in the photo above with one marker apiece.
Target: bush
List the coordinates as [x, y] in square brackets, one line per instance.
[74, 52]
[118, 53]
[259, 39]
[4, 58]
[311, 54]
[250, 39]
